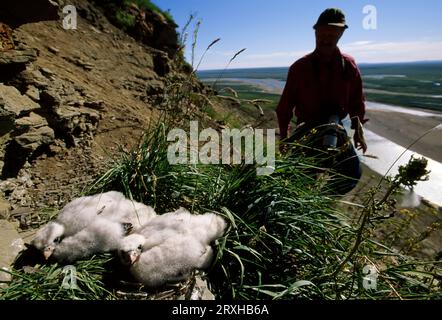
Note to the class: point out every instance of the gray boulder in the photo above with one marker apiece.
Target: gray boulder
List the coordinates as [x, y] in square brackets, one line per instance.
[10, 245]
[12, 101]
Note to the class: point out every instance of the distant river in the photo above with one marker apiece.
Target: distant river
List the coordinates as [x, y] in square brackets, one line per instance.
[387, 153]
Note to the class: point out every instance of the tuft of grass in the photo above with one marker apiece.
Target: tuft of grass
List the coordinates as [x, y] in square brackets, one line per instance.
[147, 4]
[54, 282]
[143, 174]
[119, 11]
[125, 20]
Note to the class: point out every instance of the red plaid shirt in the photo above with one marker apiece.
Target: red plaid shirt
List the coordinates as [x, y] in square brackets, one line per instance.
[317, 91]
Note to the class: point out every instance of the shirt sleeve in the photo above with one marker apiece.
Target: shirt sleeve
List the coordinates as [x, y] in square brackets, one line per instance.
[357, 100]
[286, 104]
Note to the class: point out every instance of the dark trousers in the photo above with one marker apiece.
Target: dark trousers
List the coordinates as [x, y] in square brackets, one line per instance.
[343, 162]
[348, 172]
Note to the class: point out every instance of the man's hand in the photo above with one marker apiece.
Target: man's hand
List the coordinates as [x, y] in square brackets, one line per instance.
[359, 142]
[358, 137]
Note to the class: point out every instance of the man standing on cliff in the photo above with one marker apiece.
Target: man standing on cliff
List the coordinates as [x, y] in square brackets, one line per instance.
[323, 84]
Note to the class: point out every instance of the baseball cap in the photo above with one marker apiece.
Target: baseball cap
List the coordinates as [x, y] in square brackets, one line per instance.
[331, 17]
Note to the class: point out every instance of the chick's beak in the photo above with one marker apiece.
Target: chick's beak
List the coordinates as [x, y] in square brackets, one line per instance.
[48, 252]
[134, 256]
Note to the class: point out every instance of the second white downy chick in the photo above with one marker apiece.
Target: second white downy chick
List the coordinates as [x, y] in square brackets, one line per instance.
[170, 261]
[171, 246]
[203, 227]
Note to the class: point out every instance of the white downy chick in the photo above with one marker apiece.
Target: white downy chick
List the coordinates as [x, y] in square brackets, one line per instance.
[133, 213]
[82, 211]
[169, 261]
[171, 246]
[112, 205]
[204, 227]
[102, 235]
[48, 237]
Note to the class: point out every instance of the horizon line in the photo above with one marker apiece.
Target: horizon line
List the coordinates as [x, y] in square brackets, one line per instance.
[358, 63]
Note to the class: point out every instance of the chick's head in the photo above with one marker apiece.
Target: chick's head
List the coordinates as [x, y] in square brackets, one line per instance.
[130, 248]
[48, 237]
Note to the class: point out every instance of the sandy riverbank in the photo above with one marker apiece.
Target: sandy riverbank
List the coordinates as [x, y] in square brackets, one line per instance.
[404, 129]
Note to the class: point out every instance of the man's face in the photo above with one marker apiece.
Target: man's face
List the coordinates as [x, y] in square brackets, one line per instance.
[327, 38]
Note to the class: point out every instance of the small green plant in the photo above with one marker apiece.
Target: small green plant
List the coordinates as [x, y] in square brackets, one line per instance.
[147, 4]
[125, 20]
[408, 175]
[121, 13]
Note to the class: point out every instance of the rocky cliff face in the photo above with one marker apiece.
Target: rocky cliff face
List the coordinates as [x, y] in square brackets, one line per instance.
[69, 98]
[146, 26]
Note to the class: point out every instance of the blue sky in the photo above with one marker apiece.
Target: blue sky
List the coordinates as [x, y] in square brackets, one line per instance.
[278, 32]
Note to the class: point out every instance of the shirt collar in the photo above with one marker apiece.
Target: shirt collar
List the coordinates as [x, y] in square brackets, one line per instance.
[337, 55]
